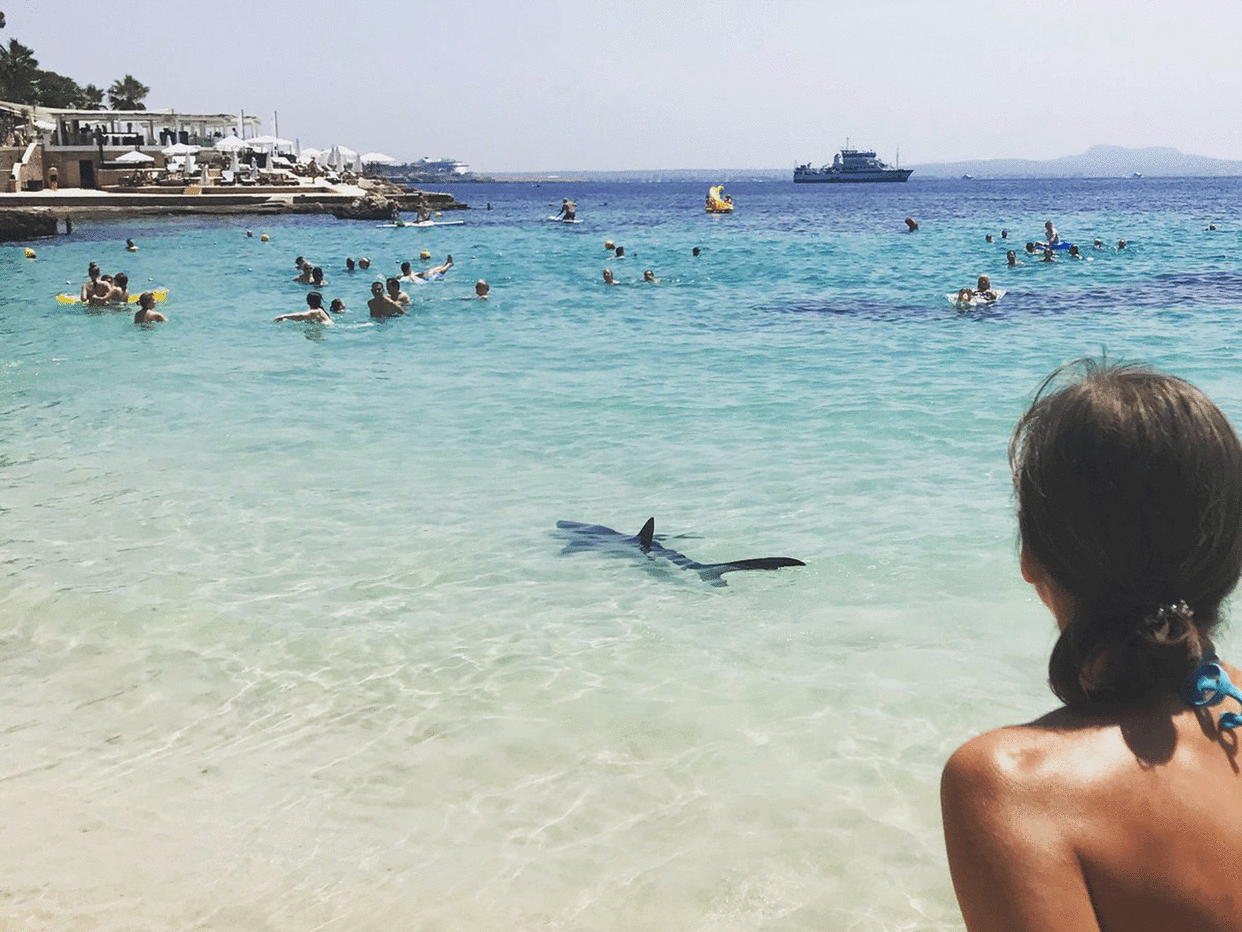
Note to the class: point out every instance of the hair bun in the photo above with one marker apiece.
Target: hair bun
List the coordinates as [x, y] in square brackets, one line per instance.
[1171, 623]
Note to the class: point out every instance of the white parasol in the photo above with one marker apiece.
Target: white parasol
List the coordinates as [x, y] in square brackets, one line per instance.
[179, 148]
[231, 144]
[135, 158]
[378, 158]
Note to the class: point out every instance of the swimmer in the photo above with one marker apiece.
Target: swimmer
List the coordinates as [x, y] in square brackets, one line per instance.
[983, 289]
[695, 251]
[1011, 257]
[609, 245]
[1098, 244]
[1120, 809]
[95, 290]
[987, 238]
[381, 305]
[146, 313]
[608, 279]
[364, 263]
[911, 224]
[1074, 253]
[304, 277]
[130, 246]
[119, 293]
[481, 289]
[350, 265]
[338, 306]
[395, 292]
[620, 252]
[649, 276]
[299, 262]
[1030, 248]
[1051, 236]
[435, 272]
[1048, 256]
[317, 277]
[965, 296]
[568, 211]
[1004, 234]
[314, 313]
[1121, 244]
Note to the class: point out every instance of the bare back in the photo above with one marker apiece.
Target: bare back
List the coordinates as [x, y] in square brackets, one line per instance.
[1121, 821]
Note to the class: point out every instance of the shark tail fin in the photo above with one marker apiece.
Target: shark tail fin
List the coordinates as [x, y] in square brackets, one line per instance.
[647, 534]
[714, 571]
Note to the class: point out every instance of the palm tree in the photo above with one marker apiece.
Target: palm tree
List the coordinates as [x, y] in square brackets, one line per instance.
[127, 94]
[92, 97]
[19, 74]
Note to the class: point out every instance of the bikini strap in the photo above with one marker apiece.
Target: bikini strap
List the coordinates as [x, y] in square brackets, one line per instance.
[1208, 685]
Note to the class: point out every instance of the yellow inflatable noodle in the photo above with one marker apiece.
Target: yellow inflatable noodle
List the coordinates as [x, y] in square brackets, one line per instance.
[160, 295]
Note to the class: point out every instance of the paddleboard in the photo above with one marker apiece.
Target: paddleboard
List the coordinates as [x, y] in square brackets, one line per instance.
[423, 223]
[564, 220]
[160, 295]
[975, 302]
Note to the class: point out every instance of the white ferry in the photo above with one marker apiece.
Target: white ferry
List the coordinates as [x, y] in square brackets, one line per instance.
[850, 165]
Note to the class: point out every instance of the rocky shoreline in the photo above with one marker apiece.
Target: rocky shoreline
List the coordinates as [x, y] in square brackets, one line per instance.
[26, 217]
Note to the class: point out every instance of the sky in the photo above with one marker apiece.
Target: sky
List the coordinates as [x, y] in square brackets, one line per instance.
[555, 85]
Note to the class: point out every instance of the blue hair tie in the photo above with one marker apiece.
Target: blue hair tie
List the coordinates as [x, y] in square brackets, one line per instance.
[1208, 685]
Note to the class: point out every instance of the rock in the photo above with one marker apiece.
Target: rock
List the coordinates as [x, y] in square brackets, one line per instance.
[369, 207]
[17, 225]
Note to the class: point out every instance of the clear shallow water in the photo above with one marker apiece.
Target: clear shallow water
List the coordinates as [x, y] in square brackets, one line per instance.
[289, 642]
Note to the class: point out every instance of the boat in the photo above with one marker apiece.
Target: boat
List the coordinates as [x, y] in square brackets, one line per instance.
[717, 201]
[850, 165]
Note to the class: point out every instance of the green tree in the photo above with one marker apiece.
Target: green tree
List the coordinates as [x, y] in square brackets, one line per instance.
[19, 74]
[58, 91]
[92, 97]
[127, 94]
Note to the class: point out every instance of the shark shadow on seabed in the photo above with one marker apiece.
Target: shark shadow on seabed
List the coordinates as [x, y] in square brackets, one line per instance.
[606, 540]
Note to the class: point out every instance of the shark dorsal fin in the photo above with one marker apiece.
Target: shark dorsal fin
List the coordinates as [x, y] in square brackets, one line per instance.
[647, 534]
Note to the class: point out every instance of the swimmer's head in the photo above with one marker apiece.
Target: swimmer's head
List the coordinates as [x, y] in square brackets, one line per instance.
[1130, 513]
[481, 288]
[1030, 247]
[648, 276]
[314, 299]
[983, 284]
[146, 300]
[609, 245]
[695, 251]
[405, 268]
[988, 238]
[364, 263]
[377, 288]
[337, 306]
[349, 263]
[620, 252]
[1011, 257]
[317, 275]
[608, 280]
[300, 261]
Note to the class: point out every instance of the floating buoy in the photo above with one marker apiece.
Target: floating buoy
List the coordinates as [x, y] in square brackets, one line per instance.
[30, 253]
[438, 214]
[264, 238]
[425, 254]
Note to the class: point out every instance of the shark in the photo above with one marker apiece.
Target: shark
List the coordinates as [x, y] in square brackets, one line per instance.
[597, 537]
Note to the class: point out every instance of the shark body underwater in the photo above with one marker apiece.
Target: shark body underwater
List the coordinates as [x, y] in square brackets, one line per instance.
[598, 537]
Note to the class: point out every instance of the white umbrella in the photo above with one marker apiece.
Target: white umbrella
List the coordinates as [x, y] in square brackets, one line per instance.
[231, 144]
[136, 157]
[269, 142]
[378, 158]
[357, 163]
[179, 148]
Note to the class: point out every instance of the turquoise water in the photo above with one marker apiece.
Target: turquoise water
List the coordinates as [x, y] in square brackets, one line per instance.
[289, 640]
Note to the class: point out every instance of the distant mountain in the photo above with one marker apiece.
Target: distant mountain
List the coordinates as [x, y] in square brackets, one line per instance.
[1096, 162]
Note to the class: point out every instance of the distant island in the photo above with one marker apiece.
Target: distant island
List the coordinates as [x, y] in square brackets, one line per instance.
[1096, 162]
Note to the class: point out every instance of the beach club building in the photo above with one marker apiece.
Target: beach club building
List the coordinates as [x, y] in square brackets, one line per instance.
[42, 147]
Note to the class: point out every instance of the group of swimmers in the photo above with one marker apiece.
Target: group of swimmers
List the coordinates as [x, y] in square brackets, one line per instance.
[1045, 248]
[618, 252]
[100, 290]
[387, 297]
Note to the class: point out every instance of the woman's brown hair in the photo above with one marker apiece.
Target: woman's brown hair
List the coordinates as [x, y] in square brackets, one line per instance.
[1129, 486]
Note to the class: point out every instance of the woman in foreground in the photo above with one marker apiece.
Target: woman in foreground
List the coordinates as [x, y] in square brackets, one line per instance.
[1123, 808]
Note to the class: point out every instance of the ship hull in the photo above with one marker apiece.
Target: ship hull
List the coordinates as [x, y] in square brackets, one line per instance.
[896, 174]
